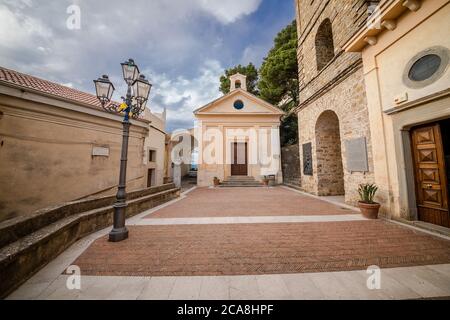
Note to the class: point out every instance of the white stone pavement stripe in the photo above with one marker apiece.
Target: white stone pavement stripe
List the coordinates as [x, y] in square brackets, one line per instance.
[252, 219]
[325, 199]
[396, 283]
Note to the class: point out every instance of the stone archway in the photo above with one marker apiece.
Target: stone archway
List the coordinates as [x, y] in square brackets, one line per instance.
[330, 172]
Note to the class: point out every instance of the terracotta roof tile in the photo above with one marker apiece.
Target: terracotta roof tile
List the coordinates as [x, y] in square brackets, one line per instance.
[45, 86]
[30, 82]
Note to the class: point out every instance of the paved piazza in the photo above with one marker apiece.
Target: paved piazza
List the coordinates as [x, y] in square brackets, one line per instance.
[244, 202]
[250, 243]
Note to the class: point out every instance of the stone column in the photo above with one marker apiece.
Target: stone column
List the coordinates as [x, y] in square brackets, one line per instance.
[276, 152]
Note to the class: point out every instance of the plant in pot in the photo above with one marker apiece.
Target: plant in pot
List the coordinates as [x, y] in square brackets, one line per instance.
[265, 180]
[216, 181]
[368, 207]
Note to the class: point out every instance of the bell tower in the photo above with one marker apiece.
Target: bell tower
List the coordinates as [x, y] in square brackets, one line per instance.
[238, 81]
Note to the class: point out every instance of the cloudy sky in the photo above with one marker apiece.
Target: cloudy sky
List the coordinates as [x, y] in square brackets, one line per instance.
[182, 46]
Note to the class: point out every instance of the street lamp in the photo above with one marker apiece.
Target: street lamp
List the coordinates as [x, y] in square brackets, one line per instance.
[133, 105]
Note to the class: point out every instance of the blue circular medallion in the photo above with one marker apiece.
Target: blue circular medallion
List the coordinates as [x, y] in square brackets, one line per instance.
[238, 105]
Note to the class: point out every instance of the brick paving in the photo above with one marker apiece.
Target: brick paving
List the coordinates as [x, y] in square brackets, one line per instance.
[242, 202]
[254, 249]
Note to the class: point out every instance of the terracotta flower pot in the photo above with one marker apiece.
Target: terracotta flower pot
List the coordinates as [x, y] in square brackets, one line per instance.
[216, 182]
[369, 210]
[266, 182]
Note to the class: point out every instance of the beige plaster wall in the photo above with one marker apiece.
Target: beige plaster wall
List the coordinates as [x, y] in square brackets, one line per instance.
[156, 141]
[384, 65]
[46, 155]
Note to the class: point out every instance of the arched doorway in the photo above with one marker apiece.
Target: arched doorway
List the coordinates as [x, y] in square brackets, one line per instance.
[330, 172]
[324, 44]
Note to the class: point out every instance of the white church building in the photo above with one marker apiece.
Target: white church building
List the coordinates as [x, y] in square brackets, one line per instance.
[238, 135]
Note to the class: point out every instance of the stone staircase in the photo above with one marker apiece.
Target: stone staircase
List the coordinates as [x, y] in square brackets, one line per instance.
[28, 243]
[240, 181]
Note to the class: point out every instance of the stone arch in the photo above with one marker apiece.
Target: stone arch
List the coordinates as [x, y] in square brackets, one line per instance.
[330, 172]
[324, 44]
[238, 84]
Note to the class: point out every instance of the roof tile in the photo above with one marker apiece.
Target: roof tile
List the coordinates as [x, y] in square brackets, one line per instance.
[45, 86]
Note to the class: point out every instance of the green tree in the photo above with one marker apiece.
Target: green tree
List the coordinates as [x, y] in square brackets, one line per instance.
[278, 83]
[279, 71]
[252, 78]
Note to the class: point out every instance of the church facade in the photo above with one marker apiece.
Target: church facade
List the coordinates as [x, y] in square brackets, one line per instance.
[238, 135]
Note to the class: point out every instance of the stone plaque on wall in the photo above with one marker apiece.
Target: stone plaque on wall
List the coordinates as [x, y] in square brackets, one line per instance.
[307, 159]
[357, 155]
[100, 151]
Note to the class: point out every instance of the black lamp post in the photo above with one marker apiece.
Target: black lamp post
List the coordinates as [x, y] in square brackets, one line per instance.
[133, 105]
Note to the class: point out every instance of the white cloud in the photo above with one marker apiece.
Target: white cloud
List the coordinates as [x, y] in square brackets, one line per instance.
[18, 30]
[186, 94]
[228, 11]
[165, 37]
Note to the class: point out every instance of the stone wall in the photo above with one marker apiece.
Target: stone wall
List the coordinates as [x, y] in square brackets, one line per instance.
[346, 17]
[336, 89]
[290, 161]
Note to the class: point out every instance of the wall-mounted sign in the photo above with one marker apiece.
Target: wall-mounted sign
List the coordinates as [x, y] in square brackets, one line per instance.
[307, 159]
[357, 155]
[100, 151]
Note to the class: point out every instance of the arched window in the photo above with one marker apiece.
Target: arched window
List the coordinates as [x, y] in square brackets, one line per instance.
[324, 44]
[237, 84]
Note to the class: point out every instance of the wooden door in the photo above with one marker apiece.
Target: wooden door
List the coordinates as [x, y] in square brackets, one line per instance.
[239, 159]
[430, 175]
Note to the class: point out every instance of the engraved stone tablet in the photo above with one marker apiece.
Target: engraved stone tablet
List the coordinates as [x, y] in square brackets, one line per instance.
[307, 159]
[100, 151]
[357, 155]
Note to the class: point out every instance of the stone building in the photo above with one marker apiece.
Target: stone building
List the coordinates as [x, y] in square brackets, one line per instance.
[334, 135]
[57, 144]
[238, 135]
[406, 52]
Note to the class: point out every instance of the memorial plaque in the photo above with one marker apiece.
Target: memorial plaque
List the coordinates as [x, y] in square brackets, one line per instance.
[100, 151]
[307, 159]
[357, 155]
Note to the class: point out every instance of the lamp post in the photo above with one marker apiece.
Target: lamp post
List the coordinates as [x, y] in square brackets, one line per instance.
[133, 105]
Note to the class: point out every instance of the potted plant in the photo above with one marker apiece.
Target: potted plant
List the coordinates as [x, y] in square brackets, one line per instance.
[265, 180]
[368, 207]
[216, 181]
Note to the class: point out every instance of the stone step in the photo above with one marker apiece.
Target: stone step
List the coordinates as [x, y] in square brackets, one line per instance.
[240, 178]
[240, 182]
[13, 229]
[21, 258]
[240, 185]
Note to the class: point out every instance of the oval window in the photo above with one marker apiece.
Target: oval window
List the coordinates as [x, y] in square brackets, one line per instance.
[238, 105]
[425, 67]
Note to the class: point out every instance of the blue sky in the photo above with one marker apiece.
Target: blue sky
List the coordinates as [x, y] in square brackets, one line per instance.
[182, 46]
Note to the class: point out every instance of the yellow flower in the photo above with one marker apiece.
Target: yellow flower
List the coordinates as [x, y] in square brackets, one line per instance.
[122, 107]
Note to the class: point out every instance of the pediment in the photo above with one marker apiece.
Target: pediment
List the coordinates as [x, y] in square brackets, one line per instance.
[226, 105]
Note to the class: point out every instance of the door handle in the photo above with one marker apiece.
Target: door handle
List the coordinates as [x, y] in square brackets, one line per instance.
[429, 186]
